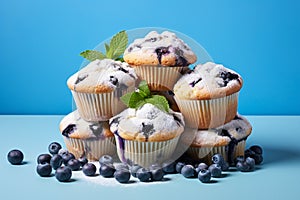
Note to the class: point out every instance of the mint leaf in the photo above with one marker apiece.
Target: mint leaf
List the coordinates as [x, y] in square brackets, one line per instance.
[159, 101]
[144, 89]
[92, 55]
[106, 48]
[132, 100]
[126, 98]
[117, 45]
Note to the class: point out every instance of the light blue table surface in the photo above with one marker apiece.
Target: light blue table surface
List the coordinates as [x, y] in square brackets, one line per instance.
[277, 178]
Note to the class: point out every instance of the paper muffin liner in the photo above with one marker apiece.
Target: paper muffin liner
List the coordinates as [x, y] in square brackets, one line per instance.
[206, 153]
[211, 113]
[102, 106]
[93, 149]
[145, 153]
[159, 78]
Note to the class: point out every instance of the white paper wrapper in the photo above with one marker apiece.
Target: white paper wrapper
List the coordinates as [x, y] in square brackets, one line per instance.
[159, 78]
[145, 153]
[91, 148]
[100, 107]
[212, 113]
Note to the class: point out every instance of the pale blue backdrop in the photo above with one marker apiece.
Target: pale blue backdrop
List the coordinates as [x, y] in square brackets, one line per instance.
[40, 42]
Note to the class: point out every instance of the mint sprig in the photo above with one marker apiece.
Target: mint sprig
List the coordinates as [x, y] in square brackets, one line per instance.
[113, 50]
[143, 96]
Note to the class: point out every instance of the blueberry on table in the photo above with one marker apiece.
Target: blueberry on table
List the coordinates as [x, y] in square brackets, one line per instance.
[143, 174]
[256, 149]
[204, 176]
[66, 157]
[44, 158]
[74, 164]
[249, 153]
[215, 170]
[89, 169]
[179, 166]
[225, 166]
[56, 161]
[251, 162]
[63, 174]
[54, 148]
[134, 168]
[15, 157]
[120, 166]
[200, 167]
[122, 175]
[243, 167]
[157, 173]
[239, 159]
[83, 161]
[107, 170]
[258, 159]
[106, 159]
[218, 159]
[44, 169]
[188, 171]
[169, 167]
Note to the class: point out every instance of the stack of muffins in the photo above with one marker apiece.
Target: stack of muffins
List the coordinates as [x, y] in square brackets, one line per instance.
[206, 98]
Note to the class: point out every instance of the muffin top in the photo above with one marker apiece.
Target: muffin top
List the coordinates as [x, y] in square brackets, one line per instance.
[208, 81]
[73, 126]
[147, 123]
[236, 130]
[159, 49]
[102, 76]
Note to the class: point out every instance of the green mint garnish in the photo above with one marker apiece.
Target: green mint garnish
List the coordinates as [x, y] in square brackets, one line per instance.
[113, 50]
[143, 96]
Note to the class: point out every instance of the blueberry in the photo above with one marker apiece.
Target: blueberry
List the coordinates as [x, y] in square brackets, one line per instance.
[106, 159]
[225, 166]
[134, 168]
[258, 158]
[157, 173]
[44, 169]
[122, 175]
[169, 167]
[44, 158]
[251, 162]
[200, 167]
[62, 151]
[89, 169]
[15, 157]
[66, 157]
[143, 174]
[56, 161]
[179, 166]
[215, 170]
[83, 161]
[243, 167]
[120, 166]
[204, 176]
[54, 147]
[256, 149]
[239, 159]
[63, 174]
[107, 170]
[74, 164]
[249, 153]
[218, 159]
[188, 171]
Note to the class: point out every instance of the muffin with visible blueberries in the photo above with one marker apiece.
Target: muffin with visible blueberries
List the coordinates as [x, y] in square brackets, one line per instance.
[229, 140]
[146, 135]
[87, 139]
[97, 88]
[160, 59]
[207, 96]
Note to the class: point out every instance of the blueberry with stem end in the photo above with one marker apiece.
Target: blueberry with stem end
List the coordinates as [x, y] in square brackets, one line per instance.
[200, 167]
[15, 157]
[83, 161]
[54, 148]
[134, 168]
[251, 162]
[157, 173]
[89, 169]
[66, 157]
[74, 164]
[56, 161]
[63, 174]
[188, 171]
[44, 158]
[107, 170]
[143, 174]
[204, 176]
[169, 167]
[243, 167]
[218, 159]
[122, 175]
[44, 169]
[106, 159]
[215, 170]
[179, 166]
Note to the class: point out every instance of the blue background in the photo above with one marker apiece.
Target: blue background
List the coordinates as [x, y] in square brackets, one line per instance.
[40, 42]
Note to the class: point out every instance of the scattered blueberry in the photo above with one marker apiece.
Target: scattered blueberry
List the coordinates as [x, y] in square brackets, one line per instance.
[122, 175]
[188, 171]
[218, 159]
[255, 152]
[157, 173]
[107, 170]
[44, 158]
[215, 170]
[249, 153]
[243, 167]
[143, 174]
[44, 169]
[120, 166]
[106, 159]
[225, 166]
[239, 159]
[169, 167]
[56, 161]
[74, 164]
[200, 167]
[62, 151]
[258, 159]
[54, 147]
[83, 161]
[256, 149]
[204, 176]
[89, 169]
[66, 157]
[179, 166]
[63, 174]
[251, 162]
[134, 168]
[15, 157]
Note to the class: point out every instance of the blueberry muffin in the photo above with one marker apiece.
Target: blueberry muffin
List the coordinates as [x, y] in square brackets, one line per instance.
[160, 59]
[228, 140]
[97, 88]
[146, 135]
[208, 95]
[90, 139]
